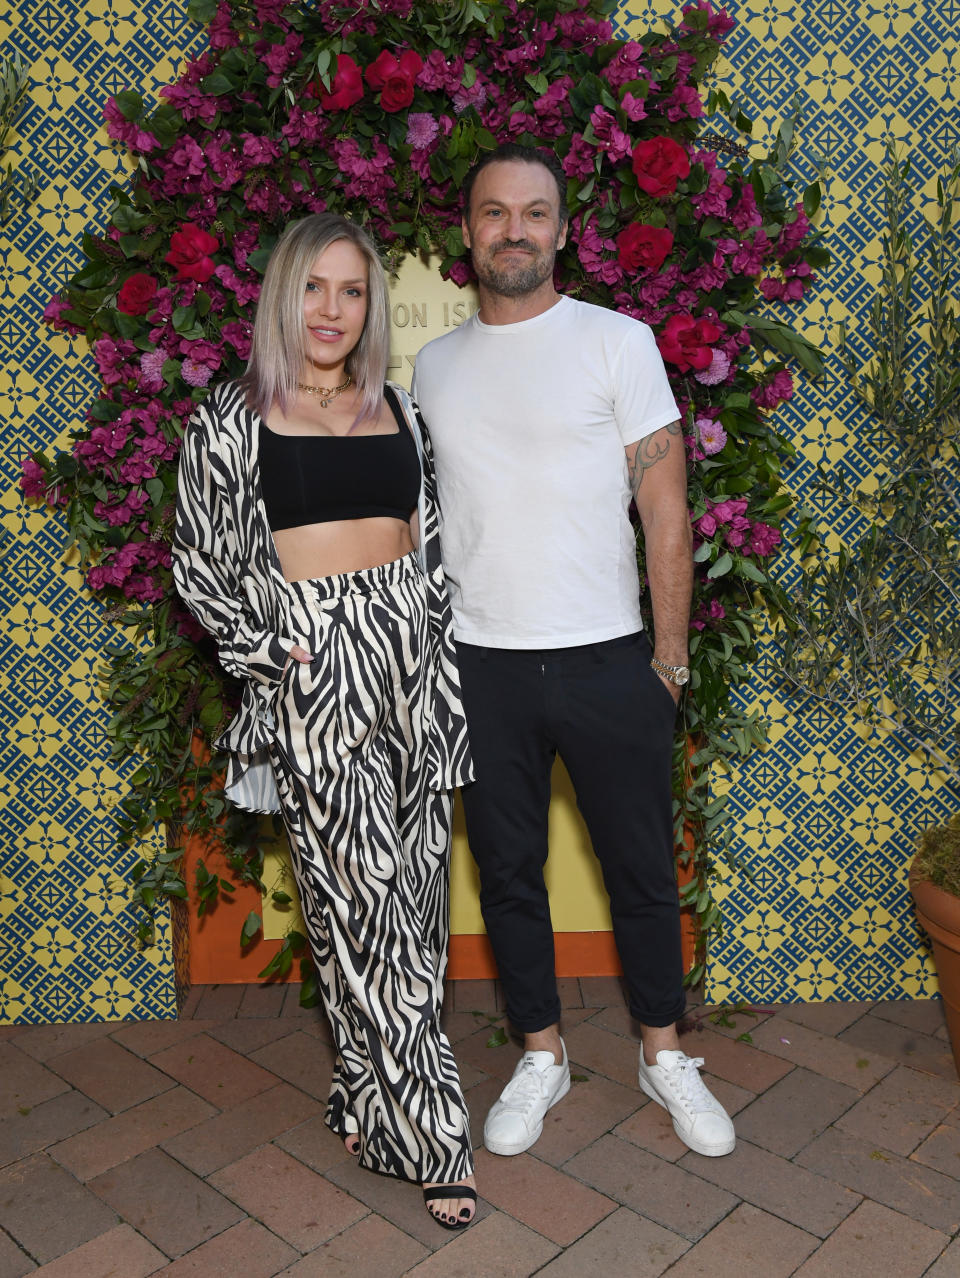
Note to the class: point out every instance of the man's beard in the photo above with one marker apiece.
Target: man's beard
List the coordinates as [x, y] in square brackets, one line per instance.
[518, 280]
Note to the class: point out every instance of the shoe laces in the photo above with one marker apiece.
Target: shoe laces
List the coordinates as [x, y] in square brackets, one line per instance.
[686, 1083]
[526, 1087]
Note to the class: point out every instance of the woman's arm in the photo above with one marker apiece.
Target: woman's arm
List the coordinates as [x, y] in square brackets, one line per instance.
[206, 565]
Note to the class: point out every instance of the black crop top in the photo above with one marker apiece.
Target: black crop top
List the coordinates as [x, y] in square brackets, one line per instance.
[314, 479]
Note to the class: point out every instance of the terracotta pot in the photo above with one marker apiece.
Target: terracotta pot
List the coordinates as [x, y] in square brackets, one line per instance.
[938, 913]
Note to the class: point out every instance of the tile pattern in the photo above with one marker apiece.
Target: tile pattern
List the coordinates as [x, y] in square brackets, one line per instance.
[207, 1162]
[65, 951]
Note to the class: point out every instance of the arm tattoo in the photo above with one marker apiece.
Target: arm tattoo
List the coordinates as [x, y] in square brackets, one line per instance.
[647, 453]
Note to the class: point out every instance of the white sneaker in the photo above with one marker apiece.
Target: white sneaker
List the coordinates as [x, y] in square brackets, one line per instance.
[698, 1118]
[515, 1121]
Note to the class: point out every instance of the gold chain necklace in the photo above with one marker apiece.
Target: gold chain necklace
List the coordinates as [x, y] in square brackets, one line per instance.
[326, 394]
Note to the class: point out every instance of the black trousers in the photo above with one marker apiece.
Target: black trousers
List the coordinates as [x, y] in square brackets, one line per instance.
[609, 717]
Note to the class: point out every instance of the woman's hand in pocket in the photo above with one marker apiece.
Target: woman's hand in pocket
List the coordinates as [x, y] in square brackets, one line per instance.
[299, 654]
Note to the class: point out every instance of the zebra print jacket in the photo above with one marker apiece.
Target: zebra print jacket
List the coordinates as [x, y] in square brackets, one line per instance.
[227, 571]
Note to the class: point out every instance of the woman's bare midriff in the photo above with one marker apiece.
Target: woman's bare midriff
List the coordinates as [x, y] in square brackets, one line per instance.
[343, 545]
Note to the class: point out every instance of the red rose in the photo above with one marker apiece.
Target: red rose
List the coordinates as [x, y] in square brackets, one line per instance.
[685, 341]
[190, 250]
[395, 77]
[136, 294]
[659, 164]
[345, 88]
[643, 247]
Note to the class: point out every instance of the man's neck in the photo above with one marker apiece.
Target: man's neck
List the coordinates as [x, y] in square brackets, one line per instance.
[497, 309]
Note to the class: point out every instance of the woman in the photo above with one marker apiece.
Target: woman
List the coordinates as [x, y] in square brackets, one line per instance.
[303, 489]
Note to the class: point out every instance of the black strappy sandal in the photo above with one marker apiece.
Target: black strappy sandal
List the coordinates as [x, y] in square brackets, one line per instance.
[450, 1191]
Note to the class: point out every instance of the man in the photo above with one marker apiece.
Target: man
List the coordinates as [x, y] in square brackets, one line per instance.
[547, 415]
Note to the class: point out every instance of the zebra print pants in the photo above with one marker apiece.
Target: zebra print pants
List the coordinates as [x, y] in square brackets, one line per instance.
[370, 848]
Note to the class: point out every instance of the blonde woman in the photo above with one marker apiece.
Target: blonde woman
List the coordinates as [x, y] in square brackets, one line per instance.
[306, 543]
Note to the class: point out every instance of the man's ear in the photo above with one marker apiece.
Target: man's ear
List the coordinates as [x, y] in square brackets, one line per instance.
[465, 230]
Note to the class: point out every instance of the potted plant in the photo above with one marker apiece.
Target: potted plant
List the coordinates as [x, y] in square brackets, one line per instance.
[935, 884]
[873, 628]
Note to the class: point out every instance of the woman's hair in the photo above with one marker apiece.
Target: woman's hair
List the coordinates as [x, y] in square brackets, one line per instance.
[279, 346]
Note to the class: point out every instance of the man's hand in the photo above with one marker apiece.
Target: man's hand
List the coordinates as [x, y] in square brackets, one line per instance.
[672, 688]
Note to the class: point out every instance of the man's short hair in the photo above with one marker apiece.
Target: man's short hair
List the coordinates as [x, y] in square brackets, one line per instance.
[516, 151]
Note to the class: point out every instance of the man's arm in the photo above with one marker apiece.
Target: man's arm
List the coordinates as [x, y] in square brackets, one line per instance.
[658, 479]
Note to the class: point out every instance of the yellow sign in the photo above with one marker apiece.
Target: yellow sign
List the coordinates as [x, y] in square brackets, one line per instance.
[422, 306]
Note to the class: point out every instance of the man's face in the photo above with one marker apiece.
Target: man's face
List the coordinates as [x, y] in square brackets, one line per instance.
[512, 227]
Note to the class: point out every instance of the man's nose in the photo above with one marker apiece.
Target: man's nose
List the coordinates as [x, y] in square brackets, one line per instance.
[515, 228]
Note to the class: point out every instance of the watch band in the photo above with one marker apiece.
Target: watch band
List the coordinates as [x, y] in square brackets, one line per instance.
[677, 675]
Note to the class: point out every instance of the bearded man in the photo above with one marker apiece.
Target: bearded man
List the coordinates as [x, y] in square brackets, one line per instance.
[548, 417]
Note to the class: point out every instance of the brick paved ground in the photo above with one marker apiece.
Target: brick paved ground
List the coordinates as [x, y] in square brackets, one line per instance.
[197, 1147]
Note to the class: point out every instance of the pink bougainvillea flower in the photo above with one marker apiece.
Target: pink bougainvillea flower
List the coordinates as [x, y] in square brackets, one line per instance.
[136, 294]
[633, 107]
[686, 342]
[775, 391]
[643, 248]
[33, 481]
[395, 78]
[190, 250]
[763, 539]
[346, 87]
[719, 23]
[659, 164]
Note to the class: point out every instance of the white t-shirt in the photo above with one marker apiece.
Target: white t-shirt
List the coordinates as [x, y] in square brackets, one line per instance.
[529, 423]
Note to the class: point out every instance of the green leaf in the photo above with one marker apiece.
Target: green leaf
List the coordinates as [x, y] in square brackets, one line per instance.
[129, 104]
[258, 259]
[219, 83]
[721, 567]
[750, 570]
[202, 12]
[251, 927]
[183, 319]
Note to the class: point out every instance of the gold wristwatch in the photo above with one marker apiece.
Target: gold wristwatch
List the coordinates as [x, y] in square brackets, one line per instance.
[677, 675]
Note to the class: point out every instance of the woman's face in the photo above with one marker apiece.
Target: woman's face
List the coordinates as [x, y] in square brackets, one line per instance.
[335, 304]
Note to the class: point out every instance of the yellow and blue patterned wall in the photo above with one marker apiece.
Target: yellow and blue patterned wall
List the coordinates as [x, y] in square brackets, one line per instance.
[66, 949]
[824, 817]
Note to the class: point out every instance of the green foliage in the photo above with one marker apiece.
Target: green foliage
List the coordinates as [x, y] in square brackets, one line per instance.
[17, 186]
[874, 629]
[938, 855]
[168, 698]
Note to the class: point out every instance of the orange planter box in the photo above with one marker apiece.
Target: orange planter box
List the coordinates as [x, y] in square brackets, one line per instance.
[217, 959]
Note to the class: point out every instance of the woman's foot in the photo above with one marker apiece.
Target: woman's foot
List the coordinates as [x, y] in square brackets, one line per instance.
[452, 1206]
[351, 1141]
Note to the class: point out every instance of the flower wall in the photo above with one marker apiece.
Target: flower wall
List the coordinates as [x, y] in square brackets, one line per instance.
[46, 397]
[378, 110]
